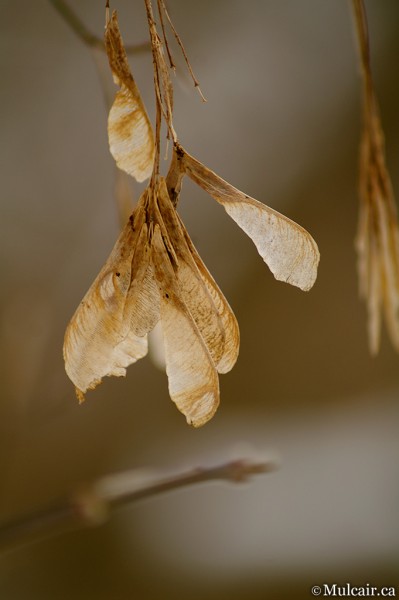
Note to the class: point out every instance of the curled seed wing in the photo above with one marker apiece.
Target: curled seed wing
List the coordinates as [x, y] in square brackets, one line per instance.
[289, 250]
[95, 341]
[229, 322]
[192, 377]
[98, 340]
[194, 292]
[130, 135]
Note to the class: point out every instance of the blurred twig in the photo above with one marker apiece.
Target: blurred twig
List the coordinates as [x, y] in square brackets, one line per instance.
[90, 506]
[85, 35]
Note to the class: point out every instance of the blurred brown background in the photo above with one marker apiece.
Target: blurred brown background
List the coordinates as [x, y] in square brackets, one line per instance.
[282, 123]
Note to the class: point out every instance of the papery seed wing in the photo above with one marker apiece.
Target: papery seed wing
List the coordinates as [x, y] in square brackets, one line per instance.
[142, 308]
[227, 317]
[131, 139]
[192, 377]
[289, 250]
[98, 340]
[194, 292]
[229, 322]
[97, 329]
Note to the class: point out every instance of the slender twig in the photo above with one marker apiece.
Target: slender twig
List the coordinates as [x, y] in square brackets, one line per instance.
[165, 39]
[157, 86]
[236, 471]
[91, 505]
[85, 35]
[162, 6]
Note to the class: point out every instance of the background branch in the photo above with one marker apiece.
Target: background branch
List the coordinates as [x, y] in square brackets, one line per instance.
[91, 505]
[85, 35]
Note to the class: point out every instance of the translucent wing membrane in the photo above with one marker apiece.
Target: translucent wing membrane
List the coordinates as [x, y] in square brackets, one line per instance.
[154, 272]
[100, 339]
[142, 306]
[131, 140]
[289, 251]
[192, 377]
[228, 320]
[200, 296]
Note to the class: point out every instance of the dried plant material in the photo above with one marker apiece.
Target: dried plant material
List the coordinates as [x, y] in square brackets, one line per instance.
[377, 240]
[154, 273]
[162, 9]
[204, 300]
[108, 330]
[192, 377]
[92, 504]
[228, 320]
[289, 251]
[162, 82]
[131, 140]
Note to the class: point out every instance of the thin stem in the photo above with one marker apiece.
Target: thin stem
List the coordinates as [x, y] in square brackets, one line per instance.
[91, 506]
[165, 39]
[158, 99]
[161, 3]
[85, 35]
[235, 472]
[163, 87]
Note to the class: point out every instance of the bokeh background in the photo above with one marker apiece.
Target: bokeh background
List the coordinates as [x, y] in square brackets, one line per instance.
[282, 123]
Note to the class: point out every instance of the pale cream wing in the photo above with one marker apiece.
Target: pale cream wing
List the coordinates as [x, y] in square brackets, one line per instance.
[99, 340]
[192, 377]
[229, 322]
[289, 250]
[130, 135]
[194, 292]
[92, 344]
[142, 308]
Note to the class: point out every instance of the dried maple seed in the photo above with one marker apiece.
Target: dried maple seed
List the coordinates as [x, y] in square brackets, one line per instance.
[154, 273]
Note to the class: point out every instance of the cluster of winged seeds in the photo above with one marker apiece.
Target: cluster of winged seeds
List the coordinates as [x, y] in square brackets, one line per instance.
[154, 273]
